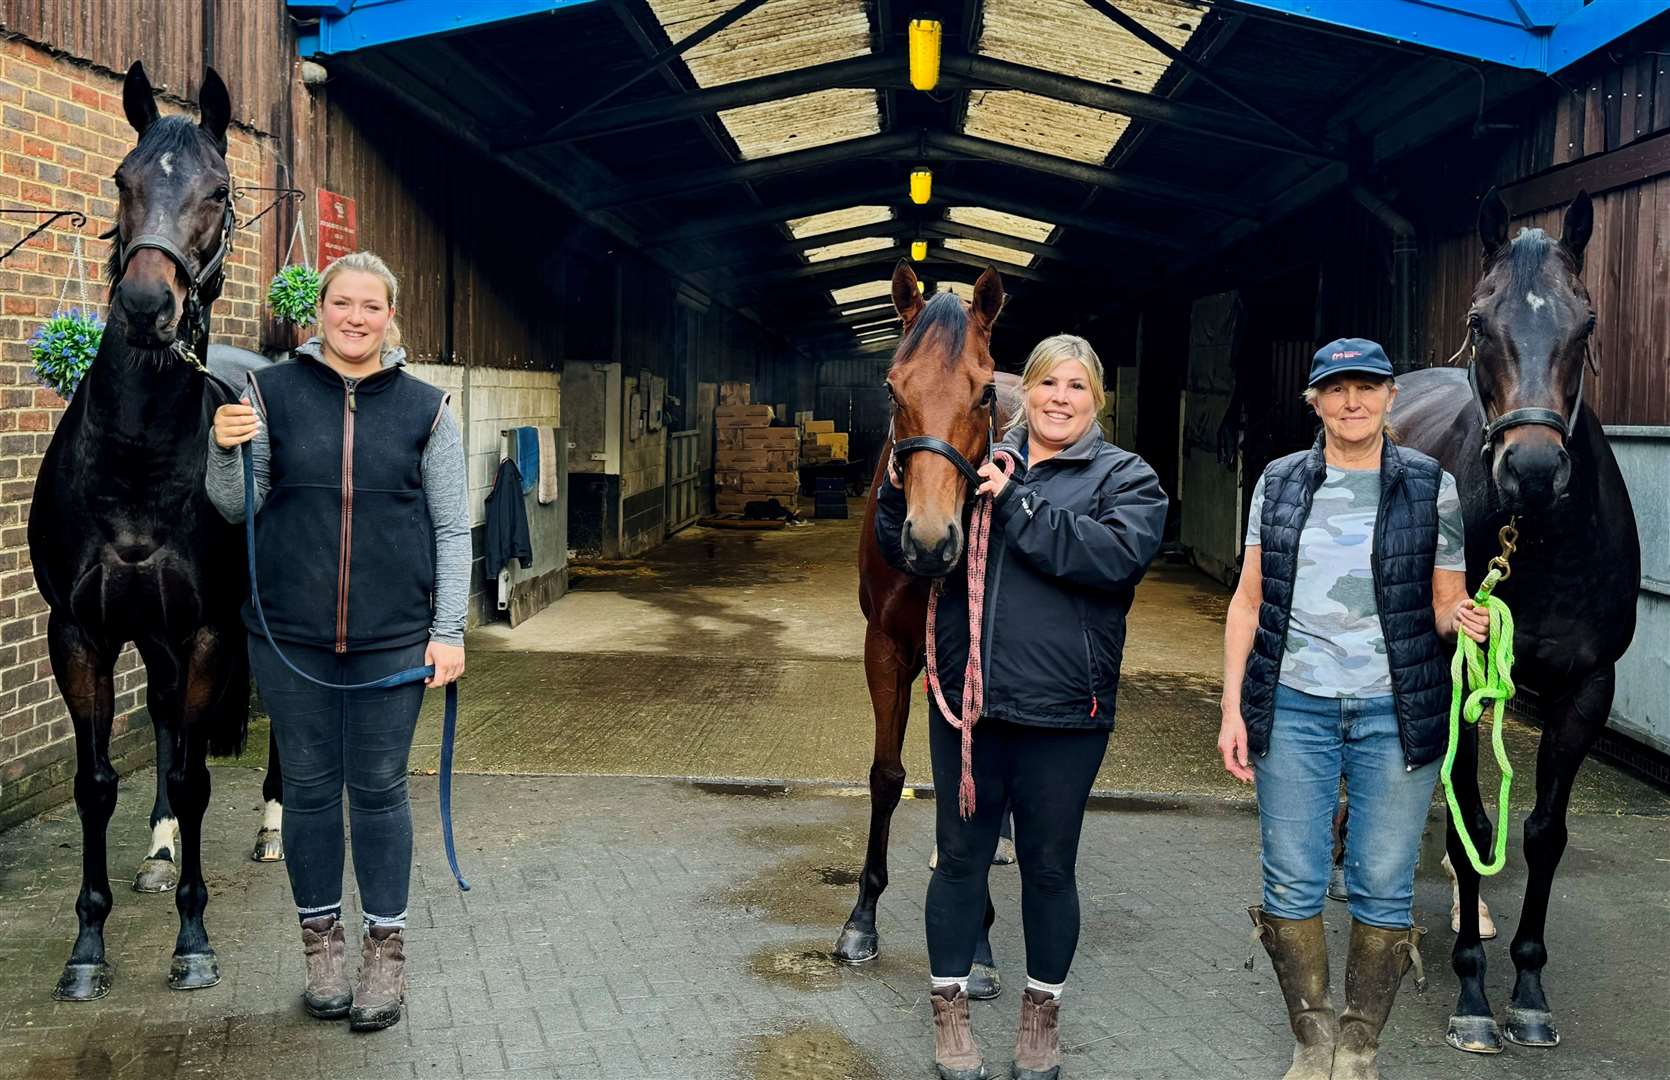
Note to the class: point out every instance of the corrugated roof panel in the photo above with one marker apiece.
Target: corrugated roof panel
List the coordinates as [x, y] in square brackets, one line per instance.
[800, 123]
[961, 288]
[1069, 37]
[997, 221]
[861, 309]
[853, 216]
[850, 247]
[1013, 256]
[866, 291]
[785, 35]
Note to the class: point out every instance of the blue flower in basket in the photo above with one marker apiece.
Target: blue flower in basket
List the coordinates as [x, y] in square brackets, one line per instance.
[63, 349]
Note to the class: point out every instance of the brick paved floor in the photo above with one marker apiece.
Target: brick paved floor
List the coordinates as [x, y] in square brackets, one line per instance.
[650, 928]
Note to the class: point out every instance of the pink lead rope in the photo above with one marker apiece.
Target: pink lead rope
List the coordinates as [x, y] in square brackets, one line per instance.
[974, 689]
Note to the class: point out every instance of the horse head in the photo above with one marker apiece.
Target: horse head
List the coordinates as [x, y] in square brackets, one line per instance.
[1529, 328]
[173, 217]
[941, 383]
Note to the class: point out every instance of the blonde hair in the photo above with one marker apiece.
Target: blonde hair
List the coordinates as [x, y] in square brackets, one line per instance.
[1050, 354]
[366, 262]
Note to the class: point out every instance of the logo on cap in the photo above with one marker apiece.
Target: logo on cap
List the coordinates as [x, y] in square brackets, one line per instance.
[1344, 355]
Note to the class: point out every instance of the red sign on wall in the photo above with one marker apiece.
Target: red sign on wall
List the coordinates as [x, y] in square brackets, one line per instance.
[338, 227]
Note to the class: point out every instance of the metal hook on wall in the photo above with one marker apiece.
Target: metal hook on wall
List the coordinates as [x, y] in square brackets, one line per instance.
[77, 218]
[295, 195]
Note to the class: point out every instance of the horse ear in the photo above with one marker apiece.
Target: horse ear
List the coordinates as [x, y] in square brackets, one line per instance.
[1579, 226]
[907, 294]
[988, 297]
[215, 105]
[1493, 222]
[137, 99]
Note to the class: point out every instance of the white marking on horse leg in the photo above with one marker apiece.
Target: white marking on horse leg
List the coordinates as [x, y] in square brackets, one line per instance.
[272, 815]
[162, 836]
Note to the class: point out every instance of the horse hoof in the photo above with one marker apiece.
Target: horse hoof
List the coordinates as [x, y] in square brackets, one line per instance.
[856, 945]
[156, 876]
[983, 983]
[1475, 1034]
[193, 971]
[269, 846]
[1005, 853]
[1532, 1027]
[1336, 884]
[83, 982]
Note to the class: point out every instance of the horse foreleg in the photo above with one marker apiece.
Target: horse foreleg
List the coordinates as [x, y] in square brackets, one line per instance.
[83, 669]
[194, 965]
[1566, 740]
[159, 870]
[1472, 1027]
[889, 676]
[269, 839]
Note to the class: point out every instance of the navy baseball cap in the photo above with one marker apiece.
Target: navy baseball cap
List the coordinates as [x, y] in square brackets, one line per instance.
[1348, 354]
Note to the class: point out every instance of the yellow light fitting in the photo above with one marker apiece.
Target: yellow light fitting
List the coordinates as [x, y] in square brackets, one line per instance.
[921, 186]
[924, 53]
[918, 250]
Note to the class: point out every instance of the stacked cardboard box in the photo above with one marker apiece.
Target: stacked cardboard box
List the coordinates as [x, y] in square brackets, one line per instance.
[753, 460]
[736, 393]
[820, 442]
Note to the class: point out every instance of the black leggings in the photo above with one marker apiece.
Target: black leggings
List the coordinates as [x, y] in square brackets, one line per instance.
[328, 738]
[1045, 775]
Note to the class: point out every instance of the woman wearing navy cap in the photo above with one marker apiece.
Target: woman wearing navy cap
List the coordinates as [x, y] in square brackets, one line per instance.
[1334, 665]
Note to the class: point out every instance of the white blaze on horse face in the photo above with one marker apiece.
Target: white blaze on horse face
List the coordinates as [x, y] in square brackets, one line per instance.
[166, 164]
[1537, 303]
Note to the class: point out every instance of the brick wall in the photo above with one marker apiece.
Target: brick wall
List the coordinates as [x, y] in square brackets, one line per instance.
[62, 134]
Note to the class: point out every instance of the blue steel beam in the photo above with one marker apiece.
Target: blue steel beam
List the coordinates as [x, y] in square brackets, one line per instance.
[1537, 35]
[346, 26]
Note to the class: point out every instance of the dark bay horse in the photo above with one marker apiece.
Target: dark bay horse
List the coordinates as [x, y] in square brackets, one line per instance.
[125, 544]
[1521, 443]
[941, 375]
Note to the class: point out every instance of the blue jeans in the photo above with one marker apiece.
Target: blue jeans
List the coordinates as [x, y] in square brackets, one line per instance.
[1312, 741]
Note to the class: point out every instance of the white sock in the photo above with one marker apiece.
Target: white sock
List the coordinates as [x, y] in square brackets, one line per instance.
[1052, 989]
[941, 983]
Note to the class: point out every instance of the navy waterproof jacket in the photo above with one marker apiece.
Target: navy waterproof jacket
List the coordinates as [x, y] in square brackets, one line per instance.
[1071, 537]
[1405, 550]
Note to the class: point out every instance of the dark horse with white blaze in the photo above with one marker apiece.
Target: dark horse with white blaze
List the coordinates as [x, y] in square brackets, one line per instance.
[125, 544]
[942, 383]
[1522, 445]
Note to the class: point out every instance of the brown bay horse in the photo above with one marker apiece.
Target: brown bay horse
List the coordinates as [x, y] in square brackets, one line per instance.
[1516, 435]
[941, 382]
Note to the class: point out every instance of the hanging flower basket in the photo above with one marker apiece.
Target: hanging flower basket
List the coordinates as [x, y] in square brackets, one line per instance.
[293, 295]
[63, 349]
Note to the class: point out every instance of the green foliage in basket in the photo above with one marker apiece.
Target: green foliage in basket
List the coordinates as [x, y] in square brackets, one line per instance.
[294, 294]
[63, 349]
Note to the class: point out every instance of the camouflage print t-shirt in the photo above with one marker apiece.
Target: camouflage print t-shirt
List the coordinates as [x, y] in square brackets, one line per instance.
[1334, 646]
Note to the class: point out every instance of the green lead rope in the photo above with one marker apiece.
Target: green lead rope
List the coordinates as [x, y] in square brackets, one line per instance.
[1489, 669]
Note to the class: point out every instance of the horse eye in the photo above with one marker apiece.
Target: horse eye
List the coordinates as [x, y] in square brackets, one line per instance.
[220, 194]
[1590, 327]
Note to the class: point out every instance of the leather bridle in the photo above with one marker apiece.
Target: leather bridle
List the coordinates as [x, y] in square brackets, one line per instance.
[905, 447]
[1513, 418]
[194, 314]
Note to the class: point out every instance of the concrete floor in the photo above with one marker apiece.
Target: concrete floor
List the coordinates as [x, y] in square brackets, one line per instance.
[737, 655]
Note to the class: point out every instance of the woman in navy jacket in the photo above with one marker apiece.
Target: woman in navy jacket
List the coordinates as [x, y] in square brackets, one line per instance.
[1073, 530]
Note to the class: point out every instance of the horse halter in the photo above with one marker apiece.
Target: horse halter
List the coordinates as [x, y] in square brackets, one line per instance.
[194, 316]
[906, 447]
[1521, 417]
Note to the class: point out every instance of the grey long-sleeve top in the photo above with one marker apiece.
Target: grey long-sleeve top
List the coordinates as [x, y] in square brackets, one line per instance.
[445, 486]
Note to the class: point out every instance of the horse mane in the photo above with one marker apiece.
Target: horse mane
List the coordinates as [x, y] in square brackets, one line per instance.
[943, 314]
[169, 134]
[1527, 257]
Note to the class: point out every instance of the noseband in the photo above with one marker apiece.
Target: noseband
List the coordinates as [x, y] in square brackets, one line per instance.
[194, 315]
[1521, 417]
[905, 447]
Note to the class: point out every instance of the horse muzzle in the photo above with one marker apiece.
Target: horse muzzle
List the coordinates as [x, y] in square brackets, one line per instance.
[149, 313]
[1531, 475]
[931, 553]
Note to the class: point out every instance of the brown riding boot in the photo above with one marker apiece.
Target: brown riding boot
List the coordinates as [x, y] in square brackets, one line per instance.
[327, 994]
[382, 985]
[1038, 1043]
[1299, 954]
[1373, 973]
[956, 1054]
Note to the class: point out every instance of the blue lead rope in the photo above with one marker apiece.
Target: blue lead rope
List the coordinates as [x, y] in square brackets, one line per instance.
[449, 726]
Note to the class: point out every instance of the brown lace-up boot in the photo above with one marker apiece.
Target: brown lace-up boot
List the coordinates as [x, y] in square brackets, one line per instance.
[1038, 1043]
[1299, 953]
[1373, 972]
[382, 985]
[327, 994]
[956, 1054]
